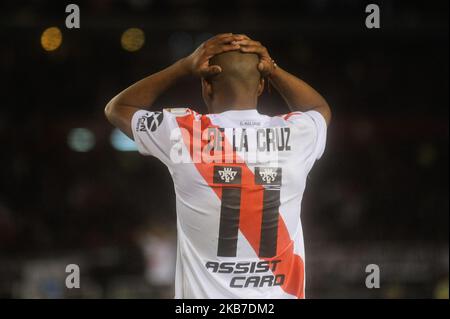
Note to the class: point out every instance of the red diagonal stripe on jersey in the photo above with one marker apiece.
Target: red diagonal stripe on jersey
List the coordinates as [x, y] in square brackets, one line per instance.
[292, 265]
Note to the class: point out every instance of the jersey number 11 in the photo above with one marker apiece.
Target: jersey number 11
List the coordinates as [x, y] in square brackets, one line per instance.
[230, 210]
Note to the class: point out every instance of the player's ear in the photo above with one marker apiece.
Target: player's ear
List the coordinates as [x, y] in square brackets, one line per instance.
[207, 88]
[207, 92]
[261, 86]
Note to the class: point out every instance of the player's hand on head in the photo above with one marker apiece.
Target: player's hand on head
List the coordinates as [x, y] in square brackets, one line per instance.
[266, 64]
[198, 61]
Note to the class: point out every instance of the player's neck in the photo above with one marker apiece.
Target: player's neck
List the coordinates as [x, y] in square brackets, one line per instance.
[223, 104]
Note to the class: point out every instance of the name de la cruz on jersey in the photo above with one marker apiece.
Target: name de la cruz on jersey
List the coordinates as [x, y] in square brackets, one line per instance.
[229, 145]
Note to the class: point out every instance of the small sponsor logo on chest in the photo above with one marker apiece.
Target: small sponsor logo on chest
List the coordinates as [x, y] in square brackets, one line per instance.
[250, 123]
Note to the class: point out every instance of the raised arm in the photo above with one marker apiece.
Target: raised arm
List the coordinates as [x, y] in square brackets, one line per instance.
[119, 111]
[298, 95]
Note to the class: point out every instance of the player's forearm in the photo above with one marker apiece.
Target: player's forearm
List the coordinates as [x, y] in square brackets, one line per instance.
[298, 94]
[143, 93]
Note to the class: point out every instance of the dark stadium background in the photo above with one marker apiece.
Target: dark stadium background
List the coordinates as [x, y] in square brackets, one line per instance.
[379, 195]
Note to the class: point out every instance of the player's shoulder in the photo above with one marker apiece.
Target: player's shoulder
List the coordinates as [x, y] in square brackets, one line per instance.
[291, 118]
[287, 116]
[151, 120]
[302, 118]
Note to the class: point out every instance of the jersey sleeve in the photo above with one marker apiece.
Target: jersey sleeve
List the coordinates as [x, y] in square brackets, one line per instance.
[151, 132]
[315, 124]
[320, 128]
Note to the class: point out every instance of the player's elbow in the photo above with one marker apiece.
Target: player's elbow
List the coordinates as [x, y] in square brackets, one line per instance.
[326, 112]
[110, 110]
[120, 116]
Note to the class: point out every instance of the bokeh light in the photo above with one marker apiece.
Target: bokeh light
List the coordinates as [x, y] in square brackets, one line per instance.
[121, 142]
[81, 140]
[132, 39]
[51, 39]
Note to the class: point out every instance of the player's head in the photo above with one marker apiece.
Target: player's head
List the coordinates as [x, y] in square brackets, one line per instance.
[238, 82]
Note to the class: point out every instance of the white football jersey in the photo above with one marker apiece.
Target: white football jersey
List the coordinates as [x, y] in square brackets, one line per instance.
[239, 178]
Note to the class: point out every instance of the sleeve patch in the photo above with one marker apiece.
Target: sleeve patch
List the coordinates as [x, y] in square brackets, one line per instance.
[150, 121]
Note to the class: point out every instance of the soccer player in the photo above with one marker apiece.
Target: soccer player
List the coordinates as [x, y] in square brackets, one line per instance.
[239, 175]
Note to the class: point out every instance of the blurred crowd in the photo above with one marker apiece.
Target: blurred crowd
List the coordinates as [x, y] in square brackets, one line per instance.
[379, 195]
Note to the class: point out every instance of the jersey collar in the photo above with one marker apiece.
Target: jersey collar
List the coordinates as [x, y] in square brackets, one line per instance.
[240, 113]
